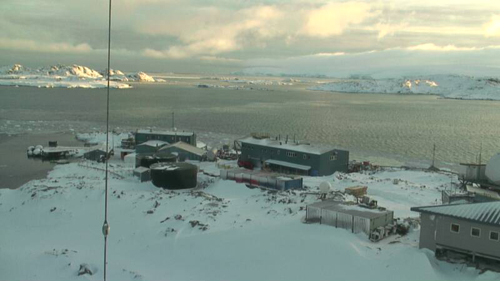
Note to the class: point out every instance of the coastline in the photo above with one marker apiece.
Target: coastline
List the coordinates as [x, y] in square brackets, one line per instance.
[16, 168]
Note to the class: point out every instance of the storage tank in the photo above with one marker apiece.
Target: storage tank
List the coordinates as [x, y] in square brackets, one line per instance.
[493, 169]
[174, 175]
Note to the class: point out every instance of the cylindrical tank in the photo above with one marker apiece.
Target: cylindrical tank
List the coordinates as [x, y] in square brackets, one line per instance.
[493, 169]
[174, 175]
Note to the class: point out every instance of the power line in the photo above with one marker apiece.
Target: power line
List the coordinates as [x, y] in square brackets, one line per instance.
[105, 226]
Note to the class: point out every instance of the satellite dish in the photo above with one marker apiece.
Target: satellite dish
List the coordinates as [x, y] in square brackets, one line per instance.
[325, 187]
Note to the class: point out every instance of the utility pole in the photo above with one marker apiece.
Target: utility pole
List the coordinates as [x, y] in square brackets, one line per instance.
[478, 176]
[173, 120]
[433, 155]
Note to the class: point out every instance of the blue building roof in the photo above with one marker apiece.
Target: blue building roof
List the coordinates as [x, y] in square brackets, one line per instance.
[166, 133]
[290, 145]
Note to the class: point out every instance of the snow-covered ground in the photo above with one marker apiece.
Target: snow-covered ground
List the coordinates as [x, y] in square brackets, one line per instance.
[223, 232]
[447, 86]
[74, 76]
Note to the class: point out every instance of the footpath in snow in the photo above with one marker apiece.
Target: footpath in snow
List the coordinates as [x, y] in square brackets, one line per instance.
[52, 227]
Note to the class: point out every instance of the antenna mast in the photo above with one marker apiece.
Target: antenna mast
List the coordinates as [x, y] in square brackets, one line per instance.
[105, 226]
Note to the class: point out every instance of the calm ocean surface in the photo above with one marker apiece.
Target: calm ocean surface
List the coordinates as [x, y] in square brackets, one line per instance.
[376, 127]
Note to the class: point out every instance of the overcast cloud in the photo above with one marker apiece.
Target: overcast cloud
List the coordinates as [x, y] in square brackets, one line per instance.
[225, 36]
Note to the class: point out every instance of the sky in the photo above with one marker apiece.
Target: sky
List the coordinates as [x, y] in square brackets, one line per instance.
[335, 38]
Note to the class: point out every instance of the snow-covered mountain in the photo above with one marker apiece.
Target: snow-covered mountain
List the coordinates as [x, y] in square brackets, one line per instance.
[68, 76]
[447, 86]
[141, 77]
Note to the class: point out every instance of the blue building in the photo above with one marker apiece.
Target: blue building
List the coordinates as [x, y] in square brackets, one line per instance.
[292, 157]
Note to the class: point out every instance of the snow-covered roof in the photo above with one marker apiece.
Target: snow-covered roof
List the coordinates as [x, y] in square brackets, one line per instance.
[483, 192]
[100, 147]
[153, 143]
[187, 147]
[288, 164]
[290, 145]
[141, 170]
[57, 149]
[165, 167]
[487, 213]
[351, 209]
[168, 133]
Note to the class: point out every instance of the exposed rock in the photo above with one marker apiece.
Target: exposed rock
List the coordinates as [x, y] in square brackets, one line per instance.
[84, 269]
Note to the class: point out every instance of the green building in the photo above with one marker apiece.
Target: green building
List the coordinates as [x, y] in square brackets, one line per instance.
[286, 156]
[170, 137]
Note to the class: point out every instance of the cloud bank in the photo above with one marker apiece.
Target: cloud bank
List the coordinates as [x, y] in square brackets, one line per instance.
[225, 33]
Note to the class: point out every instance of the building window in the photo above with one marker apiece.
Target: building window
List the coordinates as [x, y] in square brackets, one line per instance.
[305, 156]
[278, 152]
[333, 156]
[455, 228]
[494, 235]
[291, 154]
[475, 232]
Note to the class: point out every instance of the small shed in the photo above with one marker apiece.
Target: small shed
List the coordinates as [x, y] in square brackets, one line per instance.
[348, 216]
[151, 146]
[263, 179]
[143, 174]
[54, 153]
[95, 155]
[184, 151]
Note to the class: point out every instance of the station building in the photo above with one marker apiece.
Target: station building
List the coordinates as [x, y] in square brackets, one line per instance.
[292, 157]
[170, 137]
